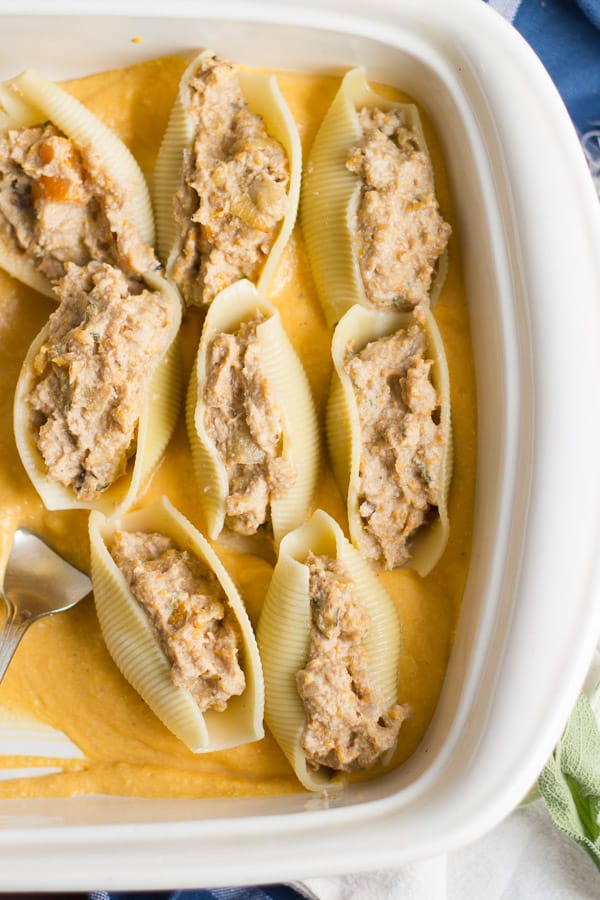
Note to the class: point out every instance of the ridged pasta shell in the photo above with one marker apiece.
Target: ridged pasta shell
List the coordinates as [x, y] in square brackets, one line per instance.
[355, 329]
[30, 99]
[283, 635]
[264, 99]
[15, 112]
[157, 418]
[331, 193]
[135, 649]
[291, 391]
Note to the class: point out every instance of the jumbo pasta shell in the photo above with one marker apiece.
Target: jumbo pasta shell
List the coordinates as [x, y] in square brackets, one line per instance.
[356, 329]
[264, 99]
[132, 643]
[30, 99]
[283, 636]
[291, 391]
[157, 418]
[331, 193]
[15, 112]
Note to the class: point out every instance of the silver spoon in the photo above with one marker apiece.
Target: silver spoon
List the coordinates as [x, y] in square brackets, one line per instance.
[37, 582]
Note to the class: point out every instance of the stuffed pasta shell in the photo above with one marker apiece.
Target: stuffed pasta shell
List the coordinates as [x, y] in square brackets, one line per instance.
[389, 435]
[329, 639]
[70, 190]
[369, 214]
[251, 420]
[176, 626]
[100, 389]
[227, 179]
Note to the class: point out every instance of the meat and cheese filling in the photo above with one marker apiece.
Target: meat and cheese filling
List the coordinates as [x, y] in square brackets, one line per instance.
[347, 727]
[246, 427]
[399, 231]
[58, 205]
[100, 349]
[189, 613]
[402, 446]
[234, 191]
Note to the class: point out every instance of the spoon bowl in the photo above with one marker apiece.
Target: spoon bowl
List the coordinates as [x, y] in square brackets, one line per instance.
[37, 583]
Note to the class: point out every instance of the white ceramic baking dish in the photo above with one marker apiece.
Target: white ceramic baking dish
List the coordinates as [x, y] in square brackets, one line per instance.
[530, 232]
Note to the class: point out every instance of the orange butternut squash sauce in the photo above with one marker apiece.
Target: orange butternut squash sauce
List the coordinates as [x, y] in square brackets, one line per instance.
[62, 674]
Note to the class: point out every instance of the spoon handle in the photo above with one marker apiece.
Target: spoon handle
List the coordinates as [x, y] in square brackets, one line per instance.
[10, 636]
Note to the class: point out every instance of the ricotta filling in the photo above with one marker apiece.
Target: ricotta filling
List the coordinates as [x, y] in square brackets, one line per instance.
[58, 205]
[234, 190]
[347, 725]
[92, 370]
[189, 614]
[247, 428]
[398, 231]
[402, 445]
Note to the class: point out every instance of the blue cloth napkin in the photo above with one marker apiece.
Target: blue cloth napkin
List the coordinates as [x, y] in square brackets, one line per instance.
[565, 34]
[265, 892]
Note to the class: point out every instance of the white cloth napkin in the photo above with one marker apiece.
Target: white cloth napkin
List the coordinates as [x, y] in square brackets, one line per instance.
[523, 858]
